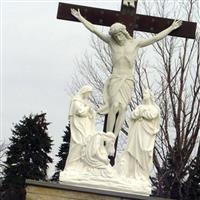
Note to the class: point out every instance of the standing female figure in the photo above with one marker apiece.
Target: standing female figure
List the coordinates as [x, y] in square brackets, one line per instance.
[144, 125]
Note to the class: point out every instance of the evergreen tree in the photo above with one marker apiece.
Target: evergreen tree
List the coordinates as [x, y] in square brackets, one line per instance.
[191, 188]
[62, 154]
[27, 155]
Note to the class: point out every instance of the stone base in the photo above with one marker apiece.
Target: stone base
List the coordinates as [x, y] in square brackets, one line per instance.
[105, 183]
[36, 190]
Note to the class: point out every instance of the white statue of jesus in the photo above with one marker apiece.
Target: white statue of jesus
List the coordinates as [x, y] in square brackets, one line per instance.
[124, 49]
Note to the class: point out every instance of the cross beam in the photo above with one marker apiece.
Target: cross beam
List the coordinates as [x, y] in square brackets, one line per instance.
[132, 20]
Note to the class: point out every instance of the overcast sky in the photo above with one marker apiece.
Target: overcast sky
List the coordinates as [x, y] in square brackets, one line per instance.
[38, 60]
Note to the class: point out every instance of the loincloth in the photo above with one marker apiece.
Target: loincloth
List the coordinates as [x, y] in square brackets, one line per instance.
[117, 91]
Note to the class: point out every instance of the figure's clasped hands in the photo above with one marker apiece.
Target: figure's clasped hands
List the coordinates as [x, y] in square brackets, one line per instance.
[135, 117]
[176, 24]
[76, 13]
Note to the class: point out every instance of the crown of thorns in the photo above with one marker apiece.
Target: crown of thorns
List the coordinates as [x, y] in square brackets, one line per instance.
[117, 27]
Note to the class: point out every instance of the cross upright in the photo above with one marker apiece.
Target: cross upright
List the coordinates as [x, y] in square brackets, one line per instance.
[127, 16]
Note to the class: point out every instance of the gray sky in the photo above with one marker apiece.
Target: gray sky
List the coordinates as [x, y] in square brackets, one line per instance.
[37, 62]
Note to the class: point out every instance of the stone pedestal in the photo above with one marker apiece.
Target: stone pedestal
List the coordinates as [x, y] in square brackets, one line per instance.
[36, 190]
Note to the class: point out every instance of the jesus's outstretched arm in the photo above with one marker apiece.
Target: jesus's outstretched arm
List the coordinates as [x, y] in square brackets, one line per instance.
[90, 26]
[145, 42]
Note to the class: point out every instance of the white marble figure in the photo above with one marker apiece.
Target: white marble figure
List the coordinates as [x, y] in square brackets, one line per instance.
[137, 160]
[82, 125]
[89, 150]
[87, 164]
[95, 154]
[124, 49]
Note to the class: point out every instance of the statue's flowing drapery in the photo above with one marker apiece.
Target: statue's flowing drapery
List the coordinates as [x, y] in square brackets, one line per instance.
[117, 90]
[87, 147]
[82, 125]
[141, 139]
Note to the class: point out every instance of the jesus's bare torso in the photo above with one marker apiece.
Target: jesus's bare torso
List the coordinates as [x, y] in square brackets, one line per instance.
[123, 56]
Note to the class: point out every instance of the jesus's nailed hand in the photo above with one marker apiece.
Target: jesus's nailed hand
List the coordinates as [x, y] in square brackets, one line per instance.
[76, 13]
[176, 24]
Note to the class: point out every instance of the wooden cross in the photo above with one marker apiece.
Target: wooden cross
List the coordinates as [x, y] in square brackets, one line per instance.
[128, 17]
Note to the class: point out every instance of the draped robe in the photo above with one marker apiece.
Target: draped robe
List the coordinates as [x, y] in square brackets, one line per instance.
[82, 125]
[138, 156]
[87, 150]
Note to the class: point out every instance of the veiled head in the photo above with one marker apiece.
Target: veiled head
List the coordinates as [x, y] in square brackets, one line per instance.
[85, 91]
[109, 139]
[148, 96]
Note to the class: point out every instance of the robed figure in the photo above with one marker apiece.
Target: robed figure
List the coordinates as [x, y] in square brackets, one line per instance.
[82, 125]
[137, 159]
[89, 149]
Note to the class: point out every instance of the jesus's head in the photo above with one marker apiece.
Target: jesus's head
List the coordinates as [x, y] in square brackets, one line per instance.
[119, 33]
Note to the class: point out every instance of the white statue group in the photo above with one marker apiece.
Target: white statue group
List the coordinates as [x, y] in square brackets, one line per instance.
[88, 163]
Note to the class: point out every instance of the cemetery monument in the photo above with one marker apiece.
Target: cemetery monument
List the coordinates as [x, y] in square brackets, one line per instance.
[85, 166]
[88, 165]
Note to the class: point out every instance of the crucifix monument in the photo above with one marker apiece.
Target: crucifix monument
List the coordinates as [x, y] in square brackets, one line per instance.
[124, 49]
[89, 158]
[117, 90]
